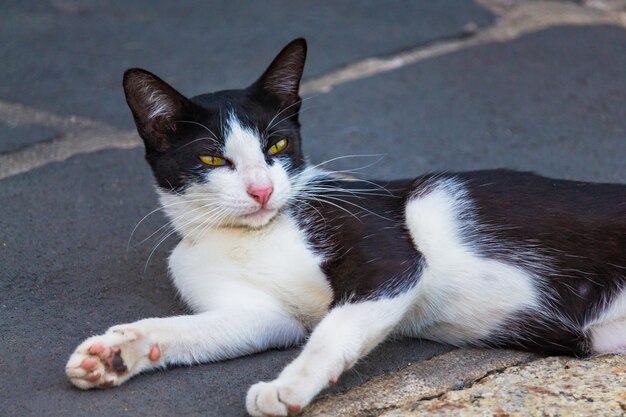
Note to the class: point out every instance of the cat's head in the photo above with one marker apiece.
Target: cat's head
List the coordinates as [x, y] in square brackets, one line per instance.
[228, 158]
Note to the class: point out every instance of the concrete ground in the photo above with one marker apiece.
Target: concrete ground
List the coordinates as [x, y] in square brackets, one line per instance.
[446, 85]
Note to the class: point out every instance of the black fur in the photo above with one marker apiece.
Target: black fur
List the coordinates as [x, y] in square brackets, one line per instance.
[359, 227]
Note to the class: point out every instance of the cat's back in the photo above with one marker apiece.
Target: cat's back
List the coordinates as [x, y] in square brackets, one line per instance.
[524, 195]
[579, 224]
[571, 225]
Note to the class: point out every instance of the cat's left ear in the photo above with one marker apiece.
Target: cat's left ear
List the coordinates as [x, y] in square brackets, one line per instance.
[282, 78]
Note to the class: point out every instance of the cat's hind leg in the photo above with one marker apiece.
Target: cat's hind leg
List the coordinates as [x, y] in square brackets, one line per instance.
[346, 334]
[609, 338]
[608, 332]
[126, 350]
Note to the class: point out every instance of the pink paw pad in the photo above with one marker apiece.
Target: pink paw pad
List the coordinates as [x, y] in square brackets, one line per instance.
[93, 376]
[97, 349]
[89, 363]
[155, 353]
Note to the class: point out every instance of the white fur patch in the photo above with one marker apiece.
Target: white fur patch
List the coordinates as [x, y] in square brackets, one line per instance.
[463, 295]
[271, 268]
[243, 147]
[608, 331]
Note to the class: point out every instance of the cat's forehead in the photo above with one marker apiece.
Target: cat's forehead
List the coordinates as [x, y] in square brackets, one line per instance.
[242, 144]
[225, 106]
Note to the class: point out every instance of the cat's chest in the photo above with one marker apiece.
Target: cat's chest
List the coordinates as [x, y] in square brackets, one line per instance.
[253, 267]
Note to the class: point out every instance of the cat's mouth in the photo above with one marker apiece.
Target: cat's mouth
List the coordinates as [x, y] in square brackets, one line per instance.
[260, 216]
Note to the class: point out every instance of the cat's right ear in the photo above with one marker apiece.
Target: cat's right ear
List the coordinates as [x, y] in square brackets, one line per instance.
[156, 107]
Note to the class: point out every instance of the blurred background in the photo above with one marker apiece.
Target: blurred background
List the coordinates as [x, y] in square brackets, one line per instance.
[423, 85]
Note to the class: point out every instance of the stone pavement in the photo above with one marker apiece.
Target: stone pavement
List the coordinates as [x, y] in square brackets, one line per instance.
[548, 387]
[446, 85]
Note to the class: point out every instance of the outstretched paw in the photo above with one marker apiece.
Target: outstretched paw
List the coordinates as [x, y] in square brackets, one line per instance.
[276, 398]
[112, 358]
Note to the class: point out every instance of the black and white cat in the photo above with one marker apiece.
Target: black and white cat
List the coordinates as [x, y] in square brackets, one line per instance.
[274, 248]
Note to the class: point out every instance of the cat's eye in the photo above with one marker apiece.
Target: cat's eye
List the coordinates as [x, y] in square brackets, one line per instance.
[278, 147]
[214, 161]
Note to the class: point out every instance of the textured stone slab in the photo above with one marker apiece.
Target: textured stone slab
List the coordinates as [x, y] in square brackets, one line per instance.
[426, 379]
[550, 387]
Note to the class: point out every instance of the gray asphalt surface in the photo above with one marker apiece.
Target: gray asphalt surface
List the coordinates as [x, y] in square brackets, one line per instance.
[67, 56]
[551, 102]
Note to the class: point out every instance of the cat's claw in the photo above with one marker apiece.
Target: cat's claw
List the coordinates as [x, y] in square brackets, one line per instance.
[110, 359]
[276, 398]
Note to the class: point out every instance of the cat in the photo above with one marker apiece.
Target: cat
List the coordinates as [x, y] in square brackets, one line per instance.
[275, 250]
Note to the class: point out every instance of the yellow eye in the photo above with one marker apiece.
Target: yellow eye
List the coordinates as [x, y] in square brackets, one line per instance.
[214, 161]
[278, 146]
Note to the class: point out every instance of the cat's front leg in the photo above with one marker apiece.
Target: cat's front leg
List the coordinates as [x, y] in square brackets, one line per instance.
[346, 334]
[126, 350]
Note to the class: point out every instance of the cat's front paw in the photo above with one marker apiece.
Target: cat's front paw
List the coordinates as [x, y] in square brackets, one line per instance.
[112, 358]
[277, 398]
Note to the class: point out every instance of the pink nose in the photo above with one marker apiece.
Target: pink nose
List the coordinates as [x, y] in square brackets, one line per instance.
[260, 195]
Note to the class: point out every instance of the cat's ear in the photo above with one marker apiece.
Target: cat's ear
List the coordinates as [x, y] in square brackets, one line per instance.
[156, 107]
[282, 77]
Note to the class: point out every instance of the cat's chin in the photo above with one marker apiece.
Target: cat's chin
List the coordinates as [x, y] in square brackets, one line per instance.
[259, 218]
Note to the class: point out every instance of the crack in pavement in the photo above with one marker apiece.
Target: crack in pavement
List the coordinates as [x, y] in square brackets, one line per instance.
[82, 135]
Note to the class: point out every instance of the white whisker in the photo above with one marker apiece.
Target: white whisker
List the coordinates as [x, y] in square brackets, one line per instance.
[199, 124]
